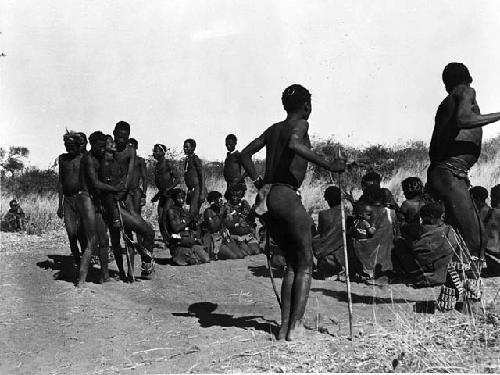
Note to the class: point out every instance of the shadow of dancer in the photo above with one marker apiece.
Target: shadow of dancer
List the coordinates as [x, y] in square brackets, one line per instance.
[204, 311]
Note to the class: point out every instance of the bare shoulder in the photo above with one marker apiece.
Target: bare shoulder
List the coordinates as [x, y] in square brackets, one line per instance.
[462, 92]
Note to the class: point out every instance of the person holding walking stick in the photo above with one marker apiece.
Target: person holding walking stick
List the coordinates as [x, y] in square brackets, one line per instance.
[288, 151]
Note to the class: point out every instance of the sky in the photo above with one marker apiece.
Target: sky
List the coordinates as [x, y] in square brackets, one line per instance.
[203, 69]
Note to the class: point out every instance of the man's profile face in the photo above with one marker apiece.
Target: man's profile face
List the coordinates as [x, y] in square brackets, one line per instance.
[121, 138]
[230, 144]
[188, 149]
[72, 148]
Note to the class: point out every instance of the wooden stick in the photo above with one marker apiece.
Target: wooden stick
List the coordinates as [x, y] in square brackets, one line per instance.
[346, 258]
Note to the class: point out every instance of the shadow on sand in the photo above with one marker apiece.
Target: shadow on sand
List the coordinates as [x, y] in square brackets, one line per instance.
[357, 298]
[262, 271]
[67, 271]
[204, 311]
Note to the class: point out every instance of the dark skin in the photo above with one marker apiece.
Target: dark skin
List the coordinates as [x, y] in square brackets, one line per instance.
[457, 136]
[288, 222]
[90, 186]
[166, 178]
[193, 177]
[138, 181]
[232, 165]
[178, 218]
[69, 185]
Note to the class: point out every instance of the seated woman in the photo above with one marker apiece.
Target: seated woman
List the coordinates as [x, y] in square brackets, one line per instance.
[216, 238]
[328, 247]
[186, 248]
[240, 222]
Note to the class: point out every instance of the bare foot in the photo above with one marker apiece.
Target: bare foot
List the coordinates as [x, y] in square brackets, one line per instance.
[80, 284]
[283, 331]
[296, 332]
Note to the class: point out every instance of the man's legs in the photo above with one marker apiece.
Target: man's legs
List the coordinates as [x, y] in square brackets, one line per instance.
[103, 242]
[290, 227]
[459, 207]
[72, 224]
[87, 215]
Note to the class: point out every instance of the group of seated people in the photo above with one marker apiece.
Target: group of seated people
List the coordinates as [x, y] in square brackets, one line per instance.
[225, 230]
[411, 242]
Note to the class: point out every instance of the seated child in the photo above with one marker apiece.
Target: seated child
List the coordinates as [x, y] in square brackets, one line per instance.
[240, 220]
[217, 239]
[361, 227]
[13, 220]
[408, 215]
[186, 248]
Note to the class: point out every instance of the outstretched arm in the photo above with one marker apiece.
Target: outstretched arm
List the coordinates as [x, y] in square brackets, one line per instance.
[94, 180]
[297, 145]
[466, 117]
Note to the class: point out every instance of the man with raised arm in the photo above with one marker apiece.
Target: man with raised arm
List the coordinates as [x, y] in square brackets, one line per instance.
[288, 150]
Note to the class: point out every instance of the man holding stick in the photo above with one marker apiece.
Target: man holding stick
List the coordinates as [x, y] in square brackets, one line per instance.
[288, 150]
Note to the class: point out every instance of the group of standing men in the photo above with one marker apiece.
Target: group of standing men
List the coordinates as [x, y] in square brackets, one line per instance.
[455, 147]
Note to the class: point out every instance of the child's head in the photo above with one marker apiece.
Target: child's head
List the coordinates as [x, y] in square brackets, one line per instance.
[332, 196]
[235, 194]
[179, 196]
[432, 213]
[189, 146]
[231, 142]
[412, 187]
[110, 144]
[479, 194]
[132, 142]
[362, 210]
[214, 198]
[13, 204]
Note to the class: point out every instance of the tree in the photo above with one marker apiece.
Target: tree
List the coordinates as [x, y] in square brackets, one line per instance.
[15, 159]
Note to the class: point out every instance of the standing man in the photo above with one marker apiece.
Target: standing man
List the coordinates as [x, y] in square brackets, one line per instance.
[233, 173]
[138, 185]
[288, 150]
[166, 179]
[455, 147]
[193, 177]
[67, 188]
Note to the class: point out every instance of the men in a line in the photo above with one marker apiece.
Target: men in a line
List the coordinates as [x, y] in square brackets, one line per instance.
[166, 179]
[232, 172]
[88, 202]
[288, 151]
[328, 247]
[67, 188]
[138, 184]
[186, 248]
[193, 177]
[455, 147]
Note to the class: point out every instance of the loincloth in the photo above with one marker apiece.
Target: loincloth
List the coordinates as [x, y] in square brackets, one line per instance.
[456, 166]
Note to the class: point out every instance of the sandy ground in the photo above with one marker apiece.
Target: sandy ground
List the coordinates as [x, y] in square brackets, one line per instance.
[216, 317]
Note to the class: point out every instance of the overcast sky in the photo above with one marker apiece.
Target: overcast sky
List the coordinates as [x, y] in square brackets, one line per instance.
[203, 69]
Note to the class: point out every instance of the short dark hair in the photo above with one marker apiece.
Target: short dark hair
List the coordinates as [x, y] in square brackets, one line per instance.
[455, 74]
[97, 136]
[133, 142]
[176, 192]
[161, 147]
[83, 138]
[213, 196]
[191, 141]
[122, 125]
[412, 186]
[294, 97]
[372, 176]
[231, 137]
[332, 195]
[479, 192]
[432, 209]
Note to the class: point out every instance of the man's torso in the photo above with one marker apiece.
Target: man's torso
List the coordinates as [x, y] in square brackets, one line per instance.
[70, 170]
